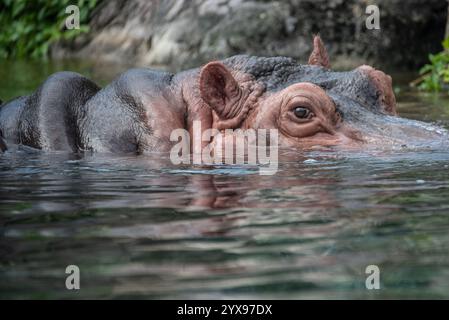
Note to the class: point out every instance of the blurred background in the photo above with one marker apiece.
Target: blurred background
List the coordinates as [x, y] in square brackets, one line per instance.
[178, 34]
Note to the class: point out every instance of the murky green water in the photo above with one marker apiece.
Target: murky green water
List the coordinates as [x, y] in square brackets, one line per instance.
[138, 227]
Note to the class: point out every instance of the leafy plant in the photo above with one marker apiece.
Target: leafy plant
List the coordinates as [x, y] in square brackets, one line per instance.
[435, 75]
[29, 27]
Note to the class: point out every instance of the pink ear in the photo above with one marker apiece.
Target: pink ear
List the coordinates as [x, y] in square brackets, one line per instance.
[218, 88]
[319, 56]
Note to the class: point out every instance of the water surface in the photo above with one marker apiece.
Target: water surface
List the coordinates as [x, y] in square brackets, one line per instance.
[139, 227]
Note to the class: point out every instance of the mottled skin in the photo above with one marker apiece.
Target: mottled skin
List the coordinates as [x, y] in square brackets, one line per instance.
[310, 105]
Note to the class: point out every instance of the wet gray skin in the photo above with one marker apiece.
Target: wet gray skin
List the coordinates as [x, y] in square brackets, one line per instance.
[37, 120]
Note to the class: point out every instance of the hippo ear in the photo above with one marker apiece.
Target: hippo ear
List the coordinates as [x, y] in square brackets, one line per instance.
[219, 89]
[319, 56]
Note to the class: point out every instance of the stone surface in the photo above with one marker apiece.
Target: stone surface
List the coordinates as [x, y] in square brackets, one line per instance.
[178, 34]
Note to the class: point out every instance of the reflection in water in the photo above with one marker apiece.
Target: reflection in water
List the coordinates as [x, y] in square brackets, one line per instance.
[141, 227]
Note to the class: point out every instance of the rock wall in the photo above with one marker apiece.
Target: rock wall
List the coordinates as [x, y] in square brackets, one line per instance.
[178, 34]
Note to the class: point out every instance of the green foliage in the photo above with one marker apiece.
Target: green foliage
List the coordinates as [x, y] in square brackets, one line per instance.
[435, 76]
[29, 27]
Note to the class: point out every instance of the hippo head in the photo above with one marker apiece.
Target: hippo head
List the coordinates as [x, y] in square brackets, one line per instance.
[310, 105]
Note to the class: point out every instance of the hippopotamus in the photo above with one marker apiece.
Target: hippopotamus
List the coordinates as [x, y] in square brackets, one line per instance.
[309, 104]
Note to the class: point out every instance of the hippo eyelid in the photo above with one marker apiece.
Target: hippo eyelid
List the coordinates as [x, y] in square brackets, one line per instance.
[301, 103]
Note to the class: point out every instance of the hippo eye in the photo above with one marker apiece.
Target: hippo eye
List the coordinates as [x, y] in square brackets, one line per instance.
[302, 113]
